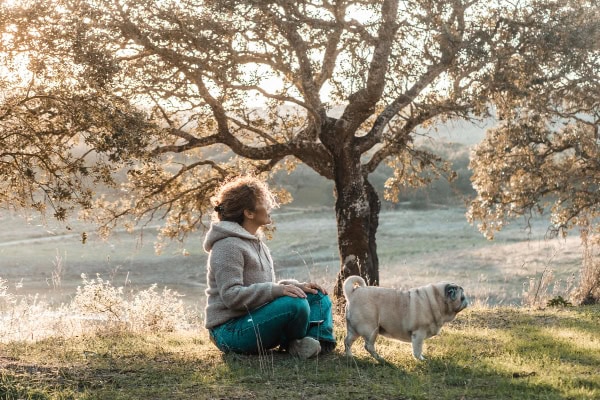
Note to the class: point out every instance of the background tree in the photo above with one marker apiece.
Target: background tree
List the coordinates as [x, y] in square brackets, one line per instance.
[544, 155]
[182, 94]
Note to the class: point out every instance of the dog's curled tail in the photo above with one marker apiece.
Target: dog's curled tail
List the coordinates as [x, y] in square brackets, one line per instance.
[350, 283]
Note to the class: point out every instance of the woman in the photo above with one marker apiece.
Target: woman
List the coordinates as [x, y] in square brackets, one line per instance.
[246, 310]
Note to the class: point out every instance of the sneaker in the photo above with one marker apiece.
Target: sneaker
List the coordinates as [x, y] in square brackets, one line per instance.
[306, 347]
[326, 347]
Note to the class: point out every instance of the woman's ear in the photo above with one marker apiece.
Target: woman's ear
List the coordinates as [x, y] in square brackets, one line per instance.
[249, 214]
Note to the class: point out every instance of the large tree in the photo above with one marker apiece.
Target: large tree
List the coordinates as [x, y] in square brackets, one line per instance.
[163, 89]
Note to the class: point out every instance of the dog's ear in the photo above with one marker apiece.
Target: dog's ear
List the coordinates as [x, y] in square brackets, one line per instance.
[451, 291]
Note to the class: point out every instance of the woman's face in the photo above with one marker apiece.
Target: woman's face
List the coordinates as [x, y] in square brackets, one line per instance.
[254, 219]
[262, 214]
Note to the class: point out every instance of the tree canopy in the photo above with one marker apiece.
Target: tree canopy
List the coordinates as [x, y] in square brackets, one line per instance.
[543, 154]
[165, 99]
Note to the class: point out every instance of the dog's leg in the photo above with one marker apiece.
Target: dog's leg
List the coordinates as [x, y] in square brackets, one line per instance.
[417, 339]
[351, 337]
[370, 345]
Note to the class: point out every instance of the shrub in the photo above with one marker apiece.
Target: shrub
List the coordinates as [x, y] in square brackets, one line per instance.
[6, 297]
[97, 305]
[559, 301]
[107, 306]
[545, 289]
[156, 311]
[26, 317]
[99, 299]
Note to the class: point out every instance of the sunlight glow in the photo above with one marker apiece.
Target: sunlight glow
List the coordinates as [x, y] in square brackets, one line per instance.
[15, 70]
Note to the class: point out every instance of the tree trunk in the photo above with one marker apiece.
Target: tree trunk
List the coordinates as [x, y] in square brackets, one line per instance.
[373, 224]
[357, 209]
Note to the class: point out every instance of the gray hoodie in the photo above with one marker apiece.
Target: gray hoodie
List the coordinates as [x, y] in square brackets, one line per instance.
[240, 274]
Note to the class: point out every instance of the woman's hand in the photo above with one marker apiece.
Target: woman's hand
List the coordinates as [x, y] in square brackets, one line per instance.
[311, 287]
[293, 291]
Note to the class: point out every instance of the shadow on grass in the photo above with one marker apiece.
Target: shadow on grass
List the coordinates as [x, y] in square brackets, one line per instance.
[557, 349]
[335, 376]
[331, 377]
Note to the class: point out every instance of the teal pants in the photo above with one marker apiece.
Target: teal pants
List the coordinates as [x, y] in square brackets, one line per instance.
[276, 323]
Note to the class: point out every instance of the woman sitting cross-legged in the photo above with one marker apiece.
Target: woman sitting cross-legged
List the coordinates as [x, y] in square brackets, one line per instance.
[247, 311]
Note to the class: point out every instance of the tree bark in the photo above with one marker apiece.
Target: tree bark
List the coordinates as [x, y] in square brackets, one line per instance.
[357, 208]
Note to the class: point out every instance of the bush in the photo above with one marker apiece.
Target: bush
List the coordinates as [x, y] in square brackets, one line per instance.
[105, 305]
[99, 299]
[96, 306]
[26, 317]
[156, 311]
[6, 298]
[559, 301]
[545, 289]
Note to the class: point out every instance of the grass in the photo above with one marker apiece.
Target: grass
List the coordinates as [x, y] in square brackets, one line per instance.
[500, 352]
[486, 353]
[414, 248]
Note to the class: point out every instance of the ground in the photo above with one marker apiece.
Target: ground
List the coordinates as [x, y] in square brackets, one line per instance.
[415, 247]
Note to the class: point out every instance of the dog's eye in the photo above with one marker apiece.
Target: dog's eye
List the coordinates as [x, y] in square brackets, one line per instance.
[451, 292]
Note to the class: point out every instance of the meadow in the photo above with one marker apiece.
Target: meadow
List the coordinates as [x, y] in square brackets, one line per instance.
[509, 344]
[415, 247]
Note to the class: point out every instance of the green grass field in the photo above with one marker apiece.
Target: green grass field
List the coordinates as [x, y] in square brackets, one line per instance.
[489, 353]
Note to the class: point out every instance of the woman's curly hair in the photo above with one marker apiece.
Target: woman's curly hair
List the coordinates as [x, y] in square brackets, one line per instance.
[239, 194]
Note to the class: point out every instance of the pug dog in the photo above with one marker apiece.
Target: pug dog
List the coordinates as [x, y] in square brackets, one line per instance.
[408, 315]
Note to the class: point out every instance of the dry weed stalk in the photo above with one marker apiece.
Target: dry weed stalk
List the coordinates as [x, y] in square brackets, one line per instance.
[538, 291]
[589, 285]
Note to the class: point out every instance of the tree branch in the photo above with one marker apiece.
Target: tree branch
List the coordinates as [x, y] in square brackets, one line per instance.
[450, 44]
[362, 102]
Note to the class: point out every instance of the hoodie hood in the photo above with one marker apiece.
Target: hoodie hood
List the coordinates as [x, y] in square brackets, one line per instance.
[224, 229]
